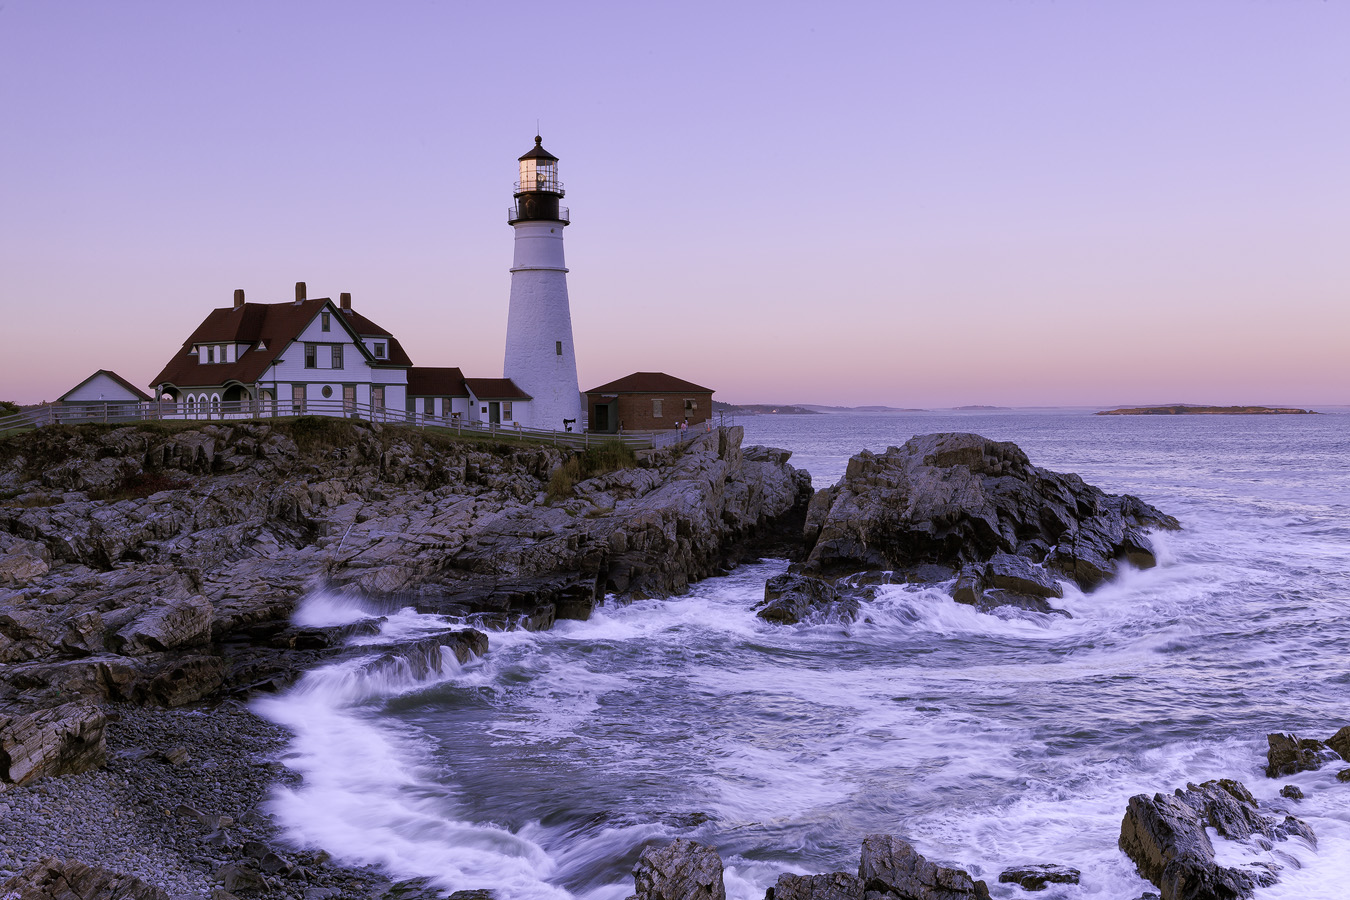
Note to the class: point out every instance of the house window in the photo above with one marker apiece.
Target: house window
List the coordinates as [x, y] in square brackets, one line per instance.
[337, 356]
[211, 354]
[506, 410]
[656, 409]
[311, 356]
[327, 391]
[377, 396]
[298, 398]
[379, 350]
[325, 321]
[557, 347]
[429, 406]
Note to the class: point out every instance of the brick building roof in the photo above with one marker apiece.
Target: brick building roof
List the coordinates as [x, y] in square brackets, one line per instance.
[650, 383]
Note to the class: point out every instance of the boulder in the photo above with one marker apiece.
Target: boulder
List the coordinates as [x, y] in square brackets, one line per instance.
[684, 870]
[167, 625]
[961, 500]
[58, 879]
[792, 598]
[60, 740]
[1340, 742]
[1040, 876]
[891, 868]
[834, 886]
[1165, 837]
[1288, 754]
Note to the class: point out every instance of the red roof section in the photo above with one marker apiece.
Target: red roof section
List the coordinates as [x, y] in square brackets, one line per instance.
[650, 383]
[274, 325]
[495, 389]
[436, 381]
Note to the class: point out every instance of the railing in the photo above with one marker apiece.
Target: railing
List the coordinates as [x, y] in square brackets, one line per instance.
[247, 410]
[541, 183]
[564, 215]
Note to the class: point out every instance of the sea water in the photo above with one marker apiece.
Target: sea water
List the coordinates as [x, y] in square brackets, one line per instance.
[986, 740]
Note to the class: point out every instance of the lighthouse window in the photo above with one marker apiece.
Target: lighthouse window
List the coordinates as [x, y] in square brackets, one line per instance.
[557, 345]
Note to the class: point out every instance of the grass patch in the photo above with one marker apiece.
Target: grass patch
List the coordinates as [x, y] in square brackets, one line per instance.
[587, 464]
[139, 485]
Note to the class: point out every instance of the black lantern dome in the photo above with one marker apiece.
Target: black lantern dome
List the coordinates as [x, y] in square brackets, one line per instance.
[538, 190]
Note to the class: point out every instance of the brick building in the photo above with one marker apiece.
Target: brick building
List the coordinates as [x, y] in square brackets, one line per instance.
[647, 401]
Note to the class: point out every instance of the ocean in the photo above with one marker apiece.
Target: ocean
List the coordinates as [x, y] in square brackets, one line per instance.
[987, 741]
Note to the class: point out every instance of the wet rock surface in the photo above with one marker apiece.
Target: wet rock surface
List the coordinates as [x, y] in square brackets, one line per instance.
[1289, 754]
[1165, 837]
[1040, 876]
[683, 870]
[156, 569]
[962, 508]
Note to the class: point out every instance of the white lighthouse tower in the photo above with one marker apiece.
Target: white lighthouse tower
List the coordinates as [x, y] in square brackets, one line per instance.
[540, 357]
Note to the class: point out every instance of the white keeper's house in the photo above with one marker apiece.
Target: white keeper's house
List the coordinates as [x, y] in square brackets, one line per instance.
[314, 356]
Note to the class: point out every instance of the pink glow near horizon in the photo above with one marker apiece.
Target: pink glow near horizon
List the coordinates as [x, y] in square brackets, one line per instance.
[912, 204]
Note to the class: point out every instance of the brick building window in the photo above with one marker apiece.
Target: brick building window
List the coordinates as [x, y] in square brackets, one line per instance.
[656, 409]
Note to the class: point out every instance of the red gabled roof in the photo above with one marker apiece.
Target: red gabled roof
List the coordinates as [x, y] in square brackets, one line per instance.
[115, 377]
[268, 329]
[495, 389]
[650, 383]
[436, 381]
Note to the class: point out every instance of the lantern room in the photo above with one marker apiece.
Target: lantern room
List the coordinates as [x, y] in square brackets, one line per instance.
[538, 189]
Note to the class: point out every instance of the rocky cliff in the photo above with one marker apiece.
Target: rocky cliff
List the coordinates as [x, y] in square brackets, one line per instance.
[160, 565]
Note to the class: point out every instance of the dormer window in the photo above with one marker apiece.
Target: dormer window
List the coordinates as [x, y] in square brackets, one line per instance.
[211, 354]
[326, 321]
[379, 349]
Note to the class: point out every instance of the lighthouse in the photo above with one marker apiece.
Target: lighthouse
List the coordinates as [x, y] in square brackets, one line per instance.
[540, 356]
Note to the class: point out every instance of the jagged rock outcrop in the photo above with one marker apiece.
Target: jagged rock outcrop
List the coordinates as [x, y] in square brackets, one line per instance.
[1165, 837]
[683, 870]
[892, 868]
[66, 879]
[1340, 742]
[834, 886]
[1039, 876]
[159, 564]
[1288, 753]
[36, 741]
[949, 505]
[791, 598]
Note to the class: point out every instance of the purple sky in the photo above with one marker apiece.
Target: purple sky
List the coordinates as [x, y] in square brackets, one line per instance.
[917, 204]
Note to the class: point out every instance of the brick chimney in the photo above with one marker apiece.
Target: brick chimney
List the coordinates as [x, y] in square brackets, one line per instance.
[299, 292]
[345, 300]
[238, 298]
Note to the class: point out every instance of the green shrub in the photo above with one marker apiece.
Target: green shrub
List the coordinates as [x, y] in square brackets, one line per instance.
[587, 464]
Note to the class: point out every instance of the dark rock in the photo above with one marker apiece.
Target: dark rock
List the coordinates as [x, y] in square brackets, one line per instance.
[1291, 792]
[1289, 754]
[960, 500]
[1165, 837]
[792, 598]
[1343, 775]
[62, 740]
[236, 878]
[684, 870]
[1038, 877]
[890, 867]
[1340, 742]
[834, 886]
[56, 879]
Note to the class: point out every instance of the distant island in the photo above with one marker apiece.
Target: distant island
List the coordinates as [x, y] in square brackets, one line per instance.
[762, 409]
[1183, 409]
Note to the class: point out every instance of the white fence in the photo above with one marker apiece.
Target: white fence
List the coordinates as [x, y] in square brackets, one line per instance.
[250, 410]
